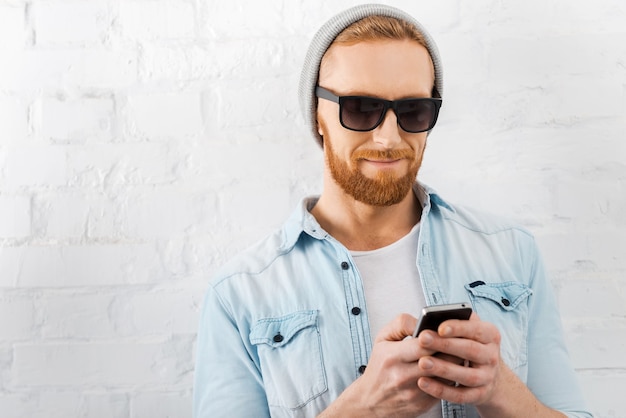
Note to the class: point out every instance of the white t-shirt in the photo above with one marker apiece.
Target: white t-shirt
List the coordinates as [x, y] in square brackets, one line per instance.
[391, 281]
[392, 285]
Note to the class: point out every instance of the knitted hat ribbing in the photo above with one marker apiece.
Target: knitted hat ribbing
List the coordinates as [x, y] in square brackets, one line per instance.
[325, 37]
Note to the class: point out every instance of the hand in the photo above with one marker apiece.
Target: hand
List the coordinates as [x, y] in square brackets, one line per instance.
[476, 341]
[388, 387]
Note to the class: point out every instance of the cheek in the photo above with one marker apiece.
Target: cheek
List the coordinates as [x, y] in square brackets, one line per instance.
[418, 143]
[328, 115]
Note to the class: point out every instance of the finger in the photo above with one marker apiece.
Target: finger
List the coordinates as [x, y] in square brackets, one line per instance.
[450, 393]
[449, 358]
[462, 348]
[474, 329]
[409, 350]
[401, 327]
[464, 376]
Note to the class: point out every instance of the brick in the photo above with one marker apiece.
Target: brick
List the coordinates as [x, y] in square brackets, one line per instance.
[57, 404]
[560, 106]
[14, 120]
[114, 167]
[223, 162]
[594, 246]
[79, 322]
[604, 244]
[34, 266]
[6, 357]
[110, 405]
[464, 61]
[77, 120]
[233, 19]
[169, 115]
[49, 69]
[586, 299]
[178, 63]
[532, 62]
[603, 391]
[96, 364]
[62, 215]
[596, 344]
[160, 213]
[103, 220]
[91, 22]
[157, 19]
[162, 405]
[554, 154]
[17, 405]
[34, 165]
[12, 26]
[166, 311]
[580, 16]
[15, 216]
[9, 265]
[275, 103]
[18, 319]
[260, 58]
[51, 403]
[81, 265]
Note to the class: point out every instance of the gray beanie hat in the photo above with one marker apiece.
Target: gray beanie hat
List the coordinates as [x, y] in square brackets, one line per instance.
[325, 37]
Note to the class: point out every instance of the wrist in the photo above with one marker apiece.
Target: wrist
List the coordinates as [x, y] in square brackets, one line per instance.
[350, 404]
[496, 403]
[511, 398]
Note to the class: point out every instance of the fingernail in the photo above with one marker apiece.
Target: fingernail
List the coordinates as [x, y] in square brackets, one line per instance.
[427, 339]
[426, 363]
[447, 331]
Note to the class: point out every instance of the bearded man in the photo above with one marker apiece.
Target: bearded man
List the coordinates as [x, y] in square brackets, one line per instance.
[318, 318]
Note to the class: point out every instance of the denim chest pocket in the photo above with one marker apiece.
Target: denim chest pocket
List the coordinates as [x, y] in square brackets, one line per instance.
[291, 361]
[506, 306]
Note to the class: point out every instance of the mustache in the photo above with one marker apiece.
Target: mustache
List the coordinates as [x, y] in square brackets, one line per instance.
[395, 154]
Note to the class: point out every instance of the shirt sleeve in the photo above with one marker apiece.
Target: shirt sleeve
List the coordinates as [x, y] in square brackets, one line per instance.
[227, 383]
[551, 377]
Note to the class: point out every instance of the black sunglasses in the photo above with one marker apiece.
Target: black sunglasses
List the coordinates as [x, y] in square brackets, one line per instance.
[361, 113]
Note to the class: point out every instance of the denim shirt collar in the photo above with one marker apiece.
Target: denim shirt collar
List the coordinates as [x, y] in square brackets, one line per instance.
[302, 221]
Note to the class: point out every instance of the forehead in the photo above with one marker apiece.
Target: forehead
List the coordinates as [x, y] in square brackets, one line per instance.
[384, 68]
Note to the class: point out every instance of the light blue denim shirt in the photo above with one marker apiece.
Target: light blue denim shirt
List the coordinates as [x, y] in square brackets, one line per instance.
[279, 336]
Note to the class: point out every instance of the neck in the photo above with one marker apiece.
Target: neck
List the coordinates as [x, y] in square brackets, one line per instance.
[362, 227]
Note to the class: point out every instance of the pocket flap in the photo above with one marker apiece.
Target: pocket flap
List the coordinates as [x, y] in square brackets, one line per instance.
[277, 332]
[507, 295]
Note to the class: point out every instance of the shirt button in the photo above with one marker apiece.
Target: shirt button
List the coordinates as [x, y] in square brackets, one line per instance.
[278, 338]
[362, 369]
[345, 265]
[356, 310]
[505, 302]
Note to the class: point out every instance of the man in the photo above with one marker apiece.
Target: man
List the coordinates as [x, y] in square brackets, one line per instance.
[311, 321]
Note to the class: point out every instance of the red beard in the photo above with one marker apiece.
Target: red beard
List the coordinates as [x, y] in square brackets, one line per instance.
[385, 189]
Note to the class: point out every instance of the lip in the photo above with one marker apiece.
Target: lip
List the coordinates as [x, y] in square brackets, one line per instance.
[383, 163]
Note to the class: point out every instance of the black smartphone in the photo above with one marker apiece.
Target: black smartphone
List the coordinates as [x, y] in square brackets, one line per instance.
[433, 316]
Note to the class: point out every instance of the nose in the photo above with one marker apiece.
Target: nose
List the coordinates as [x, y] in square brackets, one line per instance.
[387, 133]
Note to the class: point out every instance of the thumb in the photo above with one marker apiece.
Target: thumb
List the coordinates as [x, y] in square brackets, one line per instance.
[401, 327]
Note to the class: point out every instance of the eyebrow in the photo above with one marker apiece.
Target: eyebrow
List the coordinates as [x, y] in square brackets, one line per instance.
[361, 93]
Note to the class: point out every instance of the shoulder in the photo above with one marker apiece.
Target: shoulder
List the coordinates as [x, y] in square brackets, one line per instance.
[472, 226]
[255, 259]
[441, 210]
[479, 220]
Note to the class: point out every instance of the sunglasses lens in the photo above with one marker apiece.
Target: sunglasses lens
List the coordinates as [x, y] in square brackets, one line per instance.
[417, 115]
[361, 113]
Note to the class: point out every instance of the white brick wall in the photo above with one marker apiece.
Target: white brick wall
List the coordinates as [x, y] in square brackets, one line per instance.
[137, 136]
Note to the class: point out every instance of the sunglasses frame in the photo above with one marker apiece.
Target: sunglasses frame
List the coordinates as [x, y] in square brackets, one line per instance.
[326, 94]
